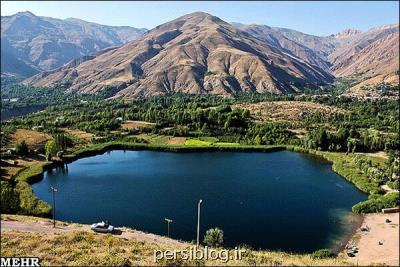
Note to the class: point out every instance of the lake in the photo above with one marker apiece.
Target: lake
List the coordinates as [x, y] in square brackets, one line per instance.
[279, 200]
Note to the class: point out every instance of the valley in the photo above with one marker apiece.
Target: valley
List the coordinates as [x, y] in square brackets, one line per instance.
[244, 116]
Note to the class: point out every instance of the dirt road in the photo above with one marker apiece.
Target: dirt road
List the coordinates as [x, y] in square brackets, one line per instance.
[46, 226]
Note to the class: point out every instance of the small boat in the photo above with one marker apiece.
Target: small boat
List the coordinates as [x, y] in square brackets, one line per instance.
[102, 227]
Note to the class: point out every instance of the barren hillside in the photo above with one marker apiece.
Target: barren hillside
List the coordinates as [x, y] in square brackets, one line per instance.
[197, 53]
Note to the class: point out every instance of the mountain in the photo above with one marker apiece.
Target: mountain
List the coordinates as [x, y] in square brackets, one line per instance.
[372, 56]
[312, 49]
[30, 44]
[197, 53]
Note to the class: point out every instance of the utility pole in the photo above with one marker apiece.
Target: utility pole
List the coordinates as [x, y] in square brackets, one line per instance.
[198, 222]
[53, 191]
[168, 222]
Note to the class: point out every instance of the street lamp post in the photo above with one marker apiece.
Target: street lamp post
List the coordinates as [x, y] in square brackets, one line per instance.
[168, 222]
[198, 222]
[53, 191]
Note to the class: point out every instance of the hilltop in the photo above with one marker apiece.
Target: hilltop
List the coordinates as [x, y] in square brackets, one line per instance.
[197, 53]
[31, 44]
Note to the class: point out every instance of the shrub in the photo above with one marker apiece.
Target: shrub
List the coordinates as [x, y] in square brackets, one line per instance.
[29, 204]
[214, 237]
[322, 254]
[21, 148]
[9, 198]
[394, 184]
[376, 204]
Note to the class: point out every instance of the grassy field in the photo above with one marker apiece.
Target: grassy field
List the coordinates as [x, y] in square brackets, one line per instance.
[86, 248]
[209, 141]
[89, 249]
[197, 142]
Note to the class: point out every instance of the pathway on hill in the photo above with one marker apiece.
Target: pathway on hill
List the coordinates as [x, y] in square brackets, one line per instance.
[46, 226]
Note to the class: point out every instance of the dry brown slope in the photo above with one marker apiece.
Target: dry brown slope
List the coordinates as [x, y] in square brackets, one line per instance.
[197, 53]
[276, 38]
[380, 58]
[30, 43]
[372, 55]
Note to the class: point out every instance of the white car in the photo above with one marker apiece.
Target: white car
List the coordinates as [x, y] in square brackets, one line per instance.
[102, 227]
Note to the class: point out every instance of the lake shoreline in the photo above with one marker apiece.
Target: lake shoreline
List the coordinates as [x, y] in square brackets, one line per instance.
[357, 221]
[102, 148]
[105, 147]
[133, 169]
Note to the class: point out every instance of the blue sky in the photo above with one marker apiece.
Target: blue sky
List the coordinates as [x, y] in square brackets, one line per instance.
[318, 18]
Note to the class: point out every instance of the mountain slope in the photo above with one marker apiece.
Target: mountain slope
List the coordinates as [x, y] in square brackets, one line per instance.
[40, 43]
[295, 43]
[372, 56]
[197, 53]
[11, 64]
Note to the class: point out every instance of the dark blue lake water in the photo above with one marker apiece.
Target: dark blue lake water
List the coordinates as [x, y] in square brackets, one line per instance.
[280, 200]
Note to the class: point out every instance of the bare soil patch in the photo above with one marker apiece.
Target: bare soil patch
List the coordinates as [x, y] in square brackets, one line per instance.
[287, 110]
[379, 245]
[177, 141]
[34, 139]
[136, 124]
[78, 133]
[379, 154]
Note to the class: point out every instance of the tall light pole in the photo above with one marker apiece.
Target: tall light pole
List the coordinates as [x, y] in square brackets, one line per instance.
[198, 222]
[168, 222]
[53, 191]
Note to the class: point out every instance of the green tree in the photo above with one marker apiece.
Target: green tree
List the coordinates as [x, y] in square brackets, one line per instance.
[323, 139]
[51, 149]
[214, 237]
